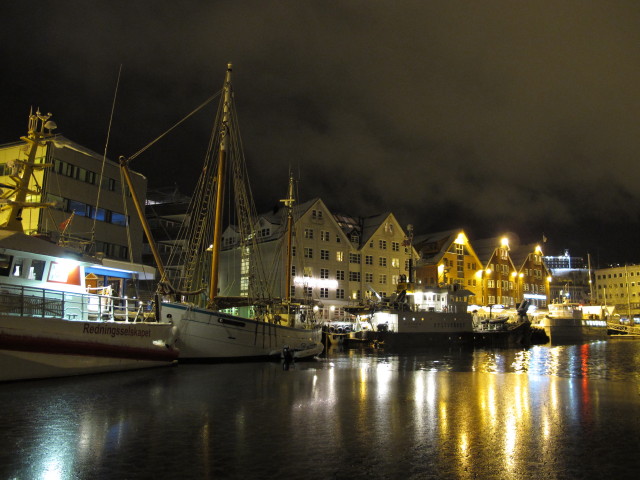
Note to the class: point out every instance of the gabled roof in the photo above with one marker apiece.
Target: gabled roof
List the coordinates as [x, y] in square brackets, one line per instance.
[519, 255]
[370, 225]
[348, 223]
[441, 240]
[278, 215]
[485, 247]
[434, 237]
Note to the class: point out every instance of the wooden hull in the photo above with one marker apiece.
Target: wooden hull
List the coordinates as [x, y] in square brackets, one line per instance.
[36, 347]
[207, 335]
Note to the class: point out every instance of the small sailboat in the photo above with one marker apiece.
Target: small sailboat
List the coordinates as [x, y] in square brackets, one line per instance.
[51, 323]
[210, 326]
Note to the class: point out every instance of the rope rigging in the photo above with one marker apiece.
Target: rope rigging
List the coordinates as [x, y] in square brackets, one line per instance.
[180, 122]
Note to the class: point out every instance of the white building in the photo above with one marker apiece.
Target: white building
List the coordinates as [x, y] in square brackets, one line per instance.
[337, 260]
[619, 287]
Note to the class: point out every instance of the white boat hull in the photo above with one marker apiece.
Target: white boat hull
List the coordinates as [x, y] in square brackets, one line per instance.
[37, 347]
[210, 335]
[573, 330]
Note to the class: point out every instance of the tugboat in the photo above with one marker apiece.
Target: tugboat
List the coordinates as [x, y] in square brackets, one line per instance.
[503, 330]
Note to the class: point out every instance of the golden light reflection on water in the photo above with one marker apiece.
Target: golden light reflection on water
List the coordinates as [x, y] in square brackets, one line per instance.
[504, 411]
[478, 412]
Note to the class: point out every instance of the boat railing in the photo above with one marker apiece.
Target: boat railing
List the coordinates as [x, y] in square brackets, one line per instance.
[39, 302]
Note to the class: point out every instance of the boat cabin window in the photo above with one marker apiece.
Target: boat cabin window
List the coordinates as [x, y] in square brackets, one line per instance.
[36, 270]
[64, 272]
[17, 267]
[5, 265]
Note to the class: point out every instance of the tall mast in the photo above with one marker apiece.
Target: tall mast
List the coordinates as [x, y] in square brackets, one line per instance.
[36, 137]
[124, 167]
[289, 202]
[591, 299]
[222, 159]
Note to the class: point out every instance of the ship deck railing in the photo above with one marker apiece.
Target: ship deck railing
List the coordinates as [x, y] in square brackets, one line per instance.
[26, 301]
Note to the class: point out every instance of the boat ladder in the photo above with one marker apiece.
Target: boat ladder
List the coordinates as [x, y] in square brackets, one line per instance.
[629, 329]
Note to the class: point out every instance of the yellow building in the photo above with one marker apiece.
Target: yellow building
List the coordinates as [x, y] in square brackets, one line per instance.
[498, 273]
[447, 258]
[70, 181]
[532, 277]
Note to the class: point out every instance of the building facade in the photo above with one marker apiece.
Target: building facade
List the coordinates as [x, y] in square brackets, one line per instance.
[532, 277]
[336, 260]
[571, 280]
[88, 208]
[497, 278]
[620, 287]
[448, 258]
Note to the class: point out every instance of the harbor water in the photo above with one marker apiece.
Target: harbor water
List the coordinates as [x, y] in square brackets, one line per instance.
[552, 412]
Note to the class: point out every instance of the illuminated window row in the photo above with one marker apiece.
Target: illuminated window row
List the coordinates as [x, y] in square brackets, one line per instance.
[82, 209]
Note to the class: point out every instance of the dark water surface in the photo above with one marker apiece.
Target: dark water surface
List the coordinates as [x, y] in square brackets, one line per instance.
[547, 412]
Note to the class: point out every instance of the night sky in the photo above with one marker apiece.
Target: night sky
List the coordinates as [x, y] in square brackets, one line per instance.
[488, 115]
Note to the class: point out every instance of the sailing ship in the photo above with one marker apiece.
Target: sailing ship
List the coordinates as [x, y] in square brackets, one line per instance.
[51, 323]
[210, 326]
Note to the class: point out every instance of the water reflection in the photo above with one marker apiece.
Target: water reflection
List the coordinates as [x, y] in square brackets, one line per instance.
[609, 360]
[556, 412]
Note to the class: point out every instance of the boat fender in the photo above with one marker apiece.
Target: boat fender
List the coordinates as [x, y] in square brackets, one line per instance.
[173, 337]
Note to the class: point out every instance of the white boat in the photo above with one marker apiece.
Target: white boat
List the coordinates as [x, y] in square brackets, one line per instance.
[573, 323]
[205, 331]
[51, 325]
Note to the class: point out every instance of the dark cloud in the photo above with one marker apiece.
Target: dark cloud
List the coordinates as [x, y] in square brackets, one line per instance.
[492, 115]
